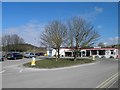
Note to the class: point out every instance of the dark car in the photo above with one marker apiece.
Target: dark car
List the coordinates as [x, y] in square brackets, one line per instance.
[40, 54]
[1, 58]
[14, 56]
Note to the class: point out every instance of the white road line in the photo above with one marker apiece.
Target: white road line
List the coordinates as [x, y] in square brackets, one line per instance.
[106, 82]
[109, 81]
[112, 84]
[2, 71]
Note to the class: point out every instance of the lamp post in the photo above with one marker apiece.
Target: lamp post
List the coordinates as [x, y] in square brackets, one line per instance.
[34, 45]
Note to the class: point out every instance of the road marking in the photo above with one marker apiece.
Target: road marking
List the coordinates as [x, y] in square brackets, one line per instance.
[106, 82]
[112, 84]
[21, 70]
[109, 81]
[2, 71]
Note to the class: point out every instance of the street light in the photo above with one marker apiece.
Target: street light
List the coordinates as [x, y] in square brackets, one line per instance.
[34, 45]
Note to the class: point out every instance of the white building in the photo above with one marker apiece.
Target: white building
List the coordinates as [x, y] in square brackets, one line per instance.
[98, 52]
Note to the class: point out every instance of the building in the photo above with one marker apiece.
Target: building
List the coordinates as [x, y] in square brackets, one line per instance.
[86, 52]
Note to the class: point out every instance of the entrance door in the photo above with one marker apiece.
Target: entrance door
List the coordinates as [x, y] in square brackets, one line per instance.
[88, 53]
[50, 52]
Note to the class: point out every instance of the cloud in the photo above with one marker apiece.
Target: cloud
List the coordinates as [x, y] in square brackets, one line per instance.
[112, 40]
[29, 32]
[98, 9]
[92, 15]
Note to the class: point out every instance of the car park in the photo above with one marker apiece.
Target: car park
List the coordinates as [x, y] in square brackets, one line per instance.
[29, 55]
[14, 55]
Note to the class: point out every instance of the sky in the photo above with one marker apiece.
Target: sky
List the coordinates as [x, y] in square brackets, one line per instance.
[28, 19]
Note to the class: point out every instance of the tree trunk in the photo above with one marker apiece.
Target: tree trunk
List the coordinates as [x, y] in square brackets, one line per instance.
[76, 50]
[58, 54]
[75, 56]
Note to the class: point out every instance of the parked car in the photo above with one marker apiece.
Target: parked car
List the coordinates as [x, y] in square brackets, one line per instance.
[40, 54]
[1, 58]
[14, 55]
[29, 55]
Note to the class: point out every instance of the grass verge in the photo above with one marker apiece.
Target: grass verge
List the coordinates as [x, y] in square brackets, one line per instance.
[52, 63]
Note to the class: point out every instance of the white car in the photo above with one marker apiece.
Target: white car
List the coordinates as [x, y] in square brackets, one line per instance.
[29, 55]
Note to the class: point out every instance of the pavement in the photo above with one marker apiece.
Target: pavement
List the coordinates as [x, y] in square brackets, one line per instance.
[101, 74]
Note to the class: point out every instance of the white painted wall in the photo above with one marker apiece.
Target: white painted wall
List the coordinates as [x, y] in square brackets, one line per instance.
[63, 50]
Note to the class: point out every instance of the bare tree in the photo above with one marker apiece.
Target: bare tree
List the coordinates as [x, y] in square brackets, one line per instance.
[54, 35]
[11, 41]
[6, 41]
[82, 33]
[15, 39]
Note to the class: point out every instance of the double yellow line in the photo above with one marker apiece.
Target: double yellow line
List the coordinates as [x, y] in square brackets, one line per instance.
[107, 82]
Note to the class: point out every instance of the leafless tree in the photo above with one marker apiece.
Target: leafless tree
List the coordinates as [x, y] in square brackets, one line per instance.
[6, 41]
[54, 35]
[11, 40]
[15, 39]
[82, 33]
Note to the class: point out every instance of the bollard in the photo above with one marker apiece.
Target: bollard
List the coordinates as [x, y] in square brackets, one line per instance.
[33, 62]
[93, 57]
[44, 54]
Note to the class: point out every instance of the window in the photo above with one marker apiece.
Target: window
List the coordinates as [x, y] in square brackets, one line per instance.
[94, 52]
[112, 52]
[101, 52]
[50, 52]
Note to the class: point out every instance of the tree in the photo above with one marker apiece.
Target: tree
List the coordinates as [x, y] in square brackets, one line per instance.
[6, 41]
[54, 35]
[82, 34]
[11, 42]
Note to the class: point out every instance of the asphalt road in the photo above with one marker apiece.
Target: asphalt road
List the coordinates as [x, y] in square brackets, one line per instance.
[95, 75]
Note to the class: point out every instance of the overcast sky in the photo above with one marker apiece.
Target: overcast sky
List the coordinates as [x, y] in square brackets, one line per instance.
[29, 19]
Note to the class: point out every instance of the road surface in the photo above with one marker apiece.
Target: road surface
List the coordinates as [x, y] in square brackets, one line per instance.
[100, 74]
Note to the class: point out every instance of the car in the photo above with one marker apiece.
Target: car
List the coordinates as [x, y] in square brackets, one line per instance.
[1, 58]
[14, 55]
[29, 55]
[40, 54]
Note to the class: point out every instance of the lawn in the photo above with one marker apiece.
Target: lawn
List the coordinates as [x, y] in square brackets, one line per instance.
[52, 63]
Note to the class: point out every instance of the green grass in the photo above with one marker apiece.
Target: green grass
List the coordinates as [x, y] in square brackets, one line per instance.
[52, 63]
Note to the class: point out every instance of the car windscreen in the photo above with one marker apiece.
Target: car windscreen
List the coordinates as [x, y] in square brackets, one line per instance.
[31, 54]
[17, 54]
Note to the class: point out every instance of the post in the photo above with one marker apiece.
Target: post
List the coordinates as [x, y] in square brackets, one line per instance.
[33, 62]
[93, 57]
[34, 45]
